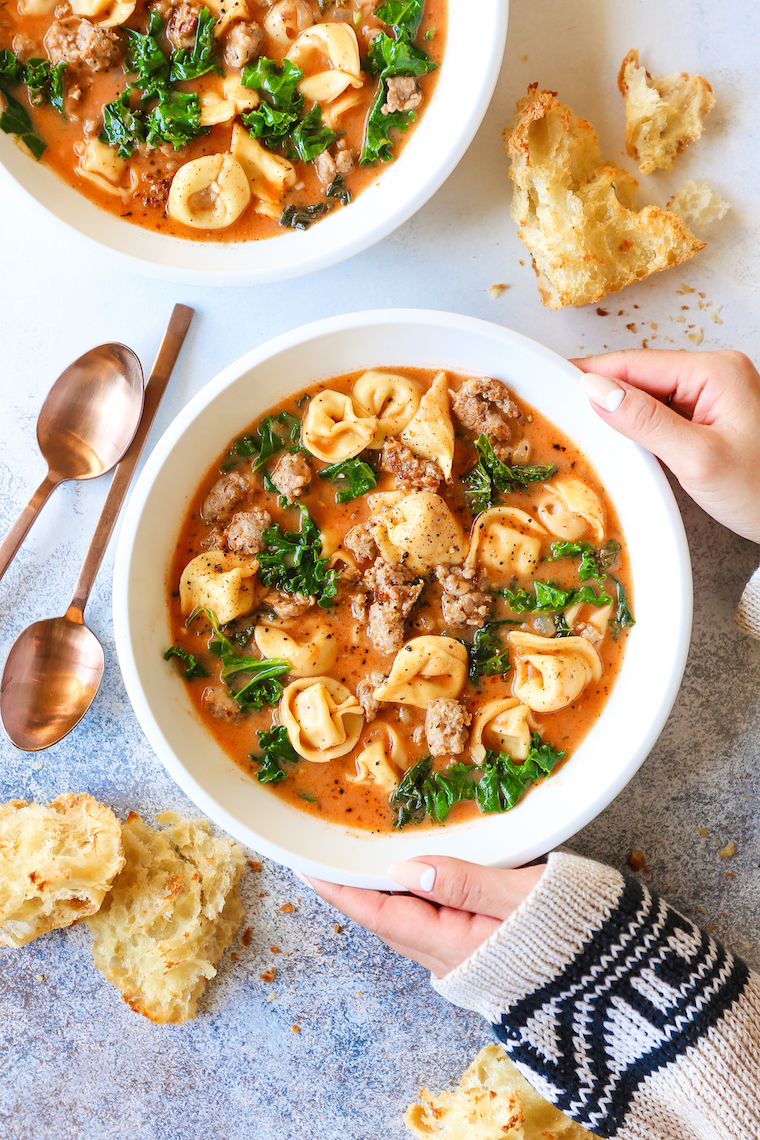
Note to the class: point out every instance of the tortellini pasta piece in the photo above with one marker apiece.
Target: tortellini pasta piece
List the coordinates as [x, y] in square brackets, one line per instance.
[106, 13]
[36, 7]
[504, 726]
[334, 112]
[378, 765]
[323, 718]
[215, 109]
[336, 42]
[312, 656]
[244, 98]
[430, 431]
[419, 531]
[268, 175]
[209, 193]
[393, 399]
[569, 509]
[427, 667]
[102, 166]
[286, 19]
[221, 582]
[550, 672]
[226, 12]
[335, 428]
[505, 543]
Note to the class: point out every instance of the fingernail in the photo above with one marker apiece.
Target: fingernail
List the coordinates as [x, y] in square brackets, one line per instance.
[303, 879]
[603, 391]
[413, 876]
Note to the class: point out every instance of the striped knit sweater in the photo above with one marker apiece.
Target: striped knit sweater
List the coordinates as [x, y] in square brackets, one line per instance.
[619, 1010]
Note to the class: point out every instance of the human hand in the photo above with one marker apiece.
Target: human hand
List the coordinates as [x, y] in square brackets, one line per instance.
[454, 907]
[699, 412]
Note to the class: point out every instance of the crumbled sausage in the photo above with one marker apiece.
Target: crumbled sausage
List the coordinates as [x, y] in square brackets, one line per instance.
[590, 632]
[214, 540]
[244, 534]
[396, 590]
[287, 605]
[446, 723]
[364, 691]
[220, 704]
[403, 95]
[182, 24]
[24, 46]
[463, 601]
[411, 472]
[223, 496]
[344, 162]
[80, 42]
[243, 43]
[481, 405]
[291, 476]
[324, 164]
[360, 543]
[154, 190]
[359, 604]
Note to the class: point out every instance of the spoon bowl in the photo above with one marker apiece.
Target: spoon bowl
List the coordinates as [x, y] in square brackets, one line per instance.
[51, 677]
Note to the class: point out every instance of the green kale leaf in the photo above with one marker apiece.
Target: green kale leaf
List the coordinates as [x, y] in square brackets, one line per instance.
[191, 63]
[622, 618]
[404, 16]
[301, 217]
[266, 122]
[479, 492]
[337, 191]
[15, 120]
[194, 668]
[389, 57]
[487, 655]
[277, 81]
[11, 68]
[122, 127]
[548, 596]
[176, 120]
[354, 476]
[506, 478]
[276, 751]
[310, 136]
[44, 83]
[145, 58]
[264, 687]
[377, 143]
[268, 440]
[292, 561]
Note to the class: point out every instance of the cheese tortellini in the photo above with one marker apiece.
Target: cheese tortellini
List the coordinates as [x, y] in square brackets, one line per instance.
[103, 166]
[550, 672]
[393, 399]
[269, 175]
[505, 543]
[426, 668]
[323, 718]
[569, 509]
[419, 531]
[503, 726]
[335, 428]
[221, 582]
[430, 431]
[106, 13]
[286, 19]
[313, 655]
[209, 193]
[332, 42]
[379, 763]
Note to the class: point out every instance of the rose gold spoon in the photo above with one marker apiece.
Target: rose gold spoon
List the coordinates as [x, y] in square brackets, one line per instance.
[84, 427]
[55, 667]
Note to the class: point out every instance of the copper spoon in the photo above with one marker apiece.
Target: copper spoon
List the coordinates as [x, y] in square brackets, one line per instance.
[55, 667]
[84, 427]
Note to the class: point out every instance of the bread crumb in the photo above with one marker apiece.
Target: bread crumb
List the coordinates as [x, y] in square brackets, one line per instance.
[730, 875]
[727, 851]
[287, 908]
[697, 336]
[338, 929]
[680, 320]
[295, 1029]
[495, 291]
[685, 289]
[602, 313]
[697, 204]
[268, 975]
[246, 939]
[275, 949]
[715, 315]
[40, 977]
[701, 910]
[710, 928]
[631, 327]
[271, 997]
[704, 832]
[637, 861]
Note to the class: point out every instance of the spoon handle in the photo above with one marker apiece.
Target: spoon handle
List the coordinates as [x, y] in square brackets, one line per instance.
[18, 532]
[162, 369]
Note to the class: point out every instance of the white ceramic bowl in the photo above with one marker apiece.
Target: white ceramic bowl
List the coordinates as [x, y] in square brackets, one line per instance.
[474, 51]
[657, 645]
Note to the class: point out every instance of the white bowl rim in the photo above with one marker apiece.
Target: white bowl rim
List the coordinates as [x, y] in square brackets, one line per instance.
[680, 612]
[301, 259]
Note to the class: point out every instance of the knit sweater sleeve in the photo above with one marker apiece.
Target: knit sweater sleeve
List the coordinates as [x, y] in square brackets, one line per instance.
[619, 1010]
[747, 617]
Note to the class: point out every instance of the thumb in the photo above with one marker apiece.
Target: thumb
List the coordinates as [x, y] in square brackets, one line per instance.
[645, 420]
[453, 883]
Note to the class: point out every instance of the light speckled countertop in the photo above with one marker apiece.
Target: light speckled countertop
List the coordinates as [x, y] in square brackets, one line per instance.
[75, 1062]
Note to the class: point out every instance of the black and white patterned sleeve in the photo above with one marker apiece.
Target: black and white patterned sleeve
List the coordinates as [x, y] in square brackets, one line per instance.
[619, 1010]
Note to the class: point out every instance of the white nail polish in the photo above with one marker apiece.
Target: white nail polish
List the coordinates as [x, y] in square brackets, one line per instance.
[303, 879]
[414, 876]
[602, 391]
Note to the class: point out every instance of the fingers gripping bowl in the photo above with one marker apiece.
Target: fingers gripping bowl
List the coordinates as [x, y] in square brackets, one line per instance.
[652, 666]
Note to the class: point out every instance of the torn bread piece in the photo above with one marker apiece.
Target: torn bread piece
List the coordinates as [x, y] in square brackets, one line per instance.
[56, 864]
[494, 1099]
[663, 114]
[697, 204]
[577, 215]
[171, 914]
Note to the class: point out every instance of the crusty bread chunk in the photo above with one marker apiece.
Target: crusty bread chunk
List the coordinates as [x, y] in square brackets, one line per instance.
[494, 1099]
[663, 114]
[56, 864]
[697, 204]
[578, 215]
[171, 914]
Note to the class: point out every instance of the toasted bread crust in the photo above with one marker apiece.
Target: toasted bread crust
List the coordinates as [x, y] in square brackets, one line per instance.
[578, 215]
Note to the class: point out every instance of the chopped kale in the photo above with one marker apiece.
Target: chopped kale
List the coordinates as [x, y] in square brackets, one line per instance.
[278, 82]
[301, 217]
[264, 687]
[607, 554]
[15, 120]
[147, 61]
[11, 68]
[354, 476]
[269, 440]
[377, 143]
[594, 563]
[487, 655]
[193, 670]
[310, 136]
[504, 782]
[266, 122]
[506, 478]
[404, 16]
[282, 500]
[337, 191]
[622, 618]
[122, 127]
[397, 57]
[293, 562]
[44, 82]
[548, 596]
[191, 63]
[276, 751]
[479, 493]
[561, 627]
[176, 120]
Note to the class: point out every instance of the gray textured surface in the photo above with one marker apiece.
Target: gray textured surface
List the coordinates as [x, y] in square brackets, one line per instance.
[75, 1062]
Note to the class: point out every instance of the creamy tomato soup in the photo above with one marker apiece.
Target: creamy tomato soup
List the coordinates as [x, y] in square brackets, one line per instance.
[400, 597]
[222, 120]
